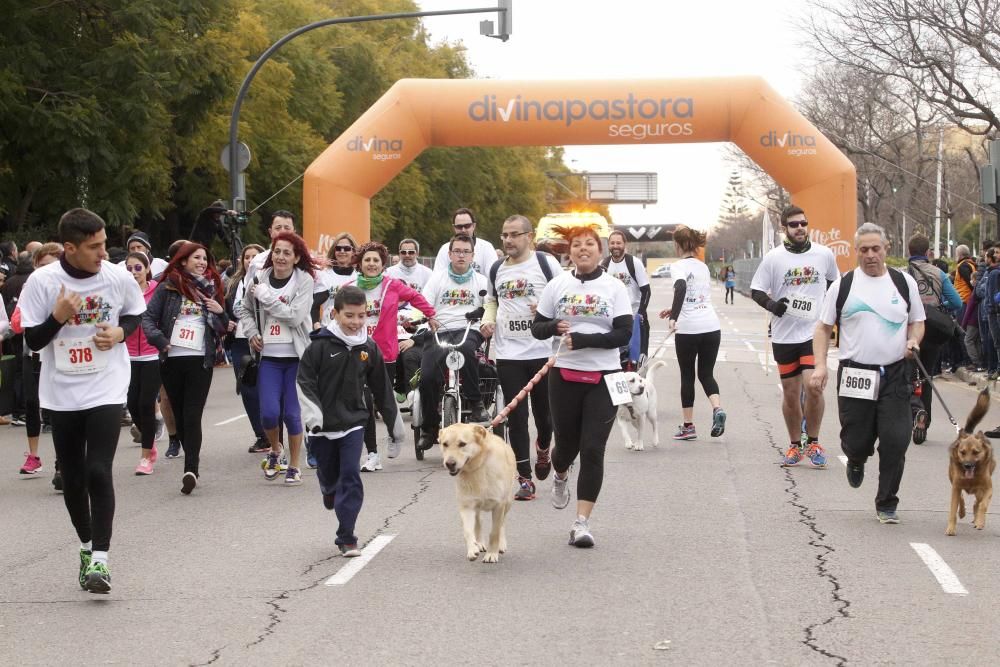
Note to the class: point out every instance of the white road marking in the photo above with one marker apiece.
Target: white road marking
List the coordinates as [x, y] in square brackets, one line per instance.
[735, 330]
[231, 419]
[354, 565]
[944, 574]
[749, 346]
[843, 459]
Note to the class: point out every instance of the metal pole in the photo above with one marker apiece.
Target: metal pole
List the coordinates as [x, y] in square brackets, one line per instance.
[235, 117]
[937, 198]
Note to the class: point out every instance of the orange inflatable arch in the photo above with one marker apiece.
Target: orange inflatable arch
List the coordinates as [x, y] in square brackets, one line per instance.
[419, 113]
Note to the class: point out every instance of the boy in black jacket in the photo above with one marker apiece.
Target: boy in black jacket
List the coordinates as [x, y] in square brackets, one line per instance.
[340, 360]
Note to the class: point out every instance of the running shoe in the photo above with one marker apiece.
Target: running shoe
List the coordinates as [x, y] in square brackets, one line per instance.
[816, 455]
[293, 476]
[57, 480]
[32, 465]
[145, 467]
[886, 516]
[920, 427]
[393, 448]
[135, 433]
[270, 466]
[126, 418]
[85, 557]
[372, 463]
[579, 535]
[188, 482]
[525, 490]
[560, 491]
[259, 446]
[97, 579]
[173, 449]
[161, 428]
[543, 462]
[349, 550]
[792, 456]
[18, 420]
[718, 422]
[855, 474]
[685, 433]
[46, 428]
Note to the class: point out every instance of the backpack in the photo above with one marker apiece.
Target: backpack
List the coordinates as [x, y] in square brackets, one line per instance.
[629, 264]
[539, 255]
[928, 284]
[845, 289]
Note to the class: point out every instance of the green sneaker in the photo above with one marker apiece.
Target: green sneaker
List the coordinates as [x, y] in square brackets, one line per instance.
[85, 557]
[98, 579]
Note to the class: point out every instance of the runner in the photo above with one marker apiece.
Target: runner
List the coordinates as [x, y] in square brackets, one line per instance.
[75, 312]
[881, 321]
[730, 283]
[408, 269]
[186, 320]
[341, 272]
[342, 363]
[277, 323]
[240, 347]
[145, 382]
[631, 271]
[790, 283]
[592, 314]
[515, 285]
[698, 331]
[463, 221]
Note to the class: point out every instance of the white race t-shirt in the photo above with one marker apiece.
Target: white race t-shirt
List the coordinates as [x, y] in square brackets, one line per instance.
[484, 257]
[106, 296]
[452, 300]
[697, 314]
[589, 307]
[331, 282]
[415, 276]
[873, 320]
[801, 278]
[619, 270]
[518, 287]
[190, 314]
[373, 306]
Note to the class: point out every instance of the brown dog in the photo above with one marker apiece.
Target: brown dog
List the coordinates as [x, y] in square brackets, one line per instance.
[971, 468]
[484, 470]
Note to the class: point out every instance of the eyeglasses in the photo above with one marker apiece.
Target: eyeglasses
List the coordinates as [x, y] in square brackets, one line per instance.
[343, 248]
[136, 268]
[461, 252]
[512, 235]
[795, 224]
[462, 228]
[407, 252]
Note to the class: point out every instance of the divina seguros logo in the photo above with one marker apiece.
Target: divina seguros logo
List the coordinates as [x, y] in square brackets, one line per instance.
[643, 116]
[380, 149]
[797, 144]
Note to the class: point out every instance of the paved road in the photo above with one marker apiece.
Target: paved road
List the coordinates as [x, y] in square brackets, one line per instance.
[708, 552]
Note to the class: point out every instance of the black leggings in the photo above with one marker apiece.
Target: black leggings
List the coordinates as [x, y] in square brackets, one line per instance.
[31, 370]
[85, 443]
[142, 392]
[582, 416]
[187, 382]
[730, 294]
[514, 375]
[371, 444]
[705, 348]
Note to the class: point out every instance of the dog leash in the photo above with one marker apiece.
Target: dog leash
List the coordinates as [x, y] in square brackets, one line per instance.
[521, 395]
[670, 334]
[927, 376]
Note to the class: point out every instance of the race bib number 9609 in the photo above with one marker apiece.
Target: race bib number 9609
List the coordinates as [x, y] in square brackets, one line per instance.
[859, 383]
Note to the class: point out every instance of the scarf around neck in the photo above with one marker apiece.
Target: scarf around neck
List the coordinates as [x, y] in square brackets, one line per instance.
[348, 339]
[797, 249]
[460, 278]
[370, 283]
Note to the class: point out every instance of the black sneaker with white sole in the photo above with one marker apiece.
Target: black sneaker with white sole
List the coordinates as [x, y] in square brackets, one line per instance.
[855, 473]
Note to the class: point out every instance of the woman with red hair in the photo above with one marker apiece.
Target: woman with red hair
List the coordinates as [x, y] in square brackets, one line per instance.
[592, 313]
[186, 322]
[277, 321]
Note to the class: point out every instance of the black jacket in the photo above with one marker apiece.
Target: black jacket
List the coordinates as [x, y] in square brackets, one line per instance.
[161, 313]
[332, 379]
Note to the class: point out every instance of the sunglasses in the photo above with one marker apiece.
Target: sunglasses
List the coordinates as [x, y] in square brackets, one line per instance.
[343, 248]
[795, 224]
[407, 252]
[136, 268]
[512, 235]
[462, 228]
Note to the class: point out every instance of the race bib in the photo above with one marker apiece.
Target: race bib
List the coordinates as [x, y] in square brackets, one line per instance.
[79, 356]
[859, 383]
[802, 306]
[618, 389]
[188, 334]
[516, 327]
[276, 331]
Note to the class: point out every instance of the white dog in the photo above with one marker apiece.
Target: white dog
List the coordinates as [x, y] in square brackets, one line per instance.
[641, 410]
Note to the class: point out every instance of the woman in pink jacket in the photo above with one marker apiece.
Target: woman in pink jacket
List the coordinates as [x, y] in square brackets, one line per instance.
[145, 384]
[383, 295]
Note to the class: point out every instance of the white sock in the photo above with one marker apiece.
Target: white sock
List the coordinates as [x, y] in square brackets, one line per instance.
[581, 518]
[101, 557]
[86, 546]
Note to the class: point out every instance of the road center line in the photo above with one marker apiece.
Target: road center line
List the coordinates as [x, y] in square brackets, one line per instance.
[944, 574]
[354, 565]
[231, 419]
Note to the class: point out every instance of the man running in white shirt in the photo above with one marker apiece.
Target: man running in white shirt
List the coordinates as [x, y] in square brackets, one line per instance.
[75, 313]
[463, 221]
[630, 270]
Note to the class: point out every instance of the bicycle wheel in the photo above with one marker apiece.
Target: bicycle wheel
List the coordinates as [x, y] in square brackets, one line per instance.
[415, 423]
[449, 411]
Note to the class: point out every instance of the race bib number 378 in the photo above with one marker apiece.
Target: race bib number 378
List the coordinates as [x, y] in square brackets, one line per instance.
[79, 356]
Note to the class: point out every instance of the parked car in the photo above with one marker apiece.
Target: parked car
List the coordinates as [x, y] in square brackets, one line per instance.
[662, 271]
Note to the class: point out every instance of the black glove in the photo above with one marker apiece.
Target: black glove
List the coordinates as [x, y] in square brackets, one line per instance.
[778, 307]
[476, 314]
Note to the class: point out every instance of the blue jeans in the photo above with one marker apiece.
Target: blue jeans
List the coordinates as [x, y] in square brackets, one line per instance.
[339, 473]
[251, 400]
[278, 395]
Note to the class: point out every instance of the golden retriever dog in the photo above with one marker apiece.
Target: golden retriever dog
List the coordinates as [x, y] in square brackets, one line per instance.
[484, 470]
[970, 468]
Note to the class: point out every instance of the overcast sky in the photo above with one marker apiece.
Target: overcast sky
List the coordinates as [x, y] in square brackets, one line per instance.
[623, 39]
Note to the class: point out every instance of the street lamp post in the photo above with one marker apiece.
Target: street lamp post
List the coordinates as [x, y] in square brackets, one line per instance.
[503, 10]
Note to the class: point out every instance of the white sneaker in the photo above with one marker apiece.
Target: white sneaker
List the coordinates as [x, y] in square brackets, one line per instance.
[372, 463]
[134, 432]
[560, 491]
[579, 534]
[393, 448]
